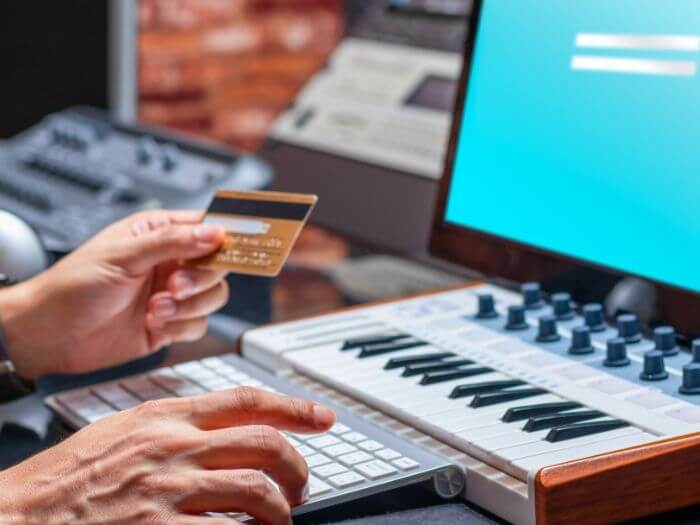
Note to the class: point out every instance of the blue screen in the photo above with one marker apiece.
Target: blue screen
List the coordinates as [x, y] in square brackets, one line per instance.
[581, 133]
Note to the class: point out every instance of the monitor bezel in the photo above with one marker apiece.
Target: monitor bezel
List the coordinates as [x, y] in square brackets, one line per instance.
[498, 256]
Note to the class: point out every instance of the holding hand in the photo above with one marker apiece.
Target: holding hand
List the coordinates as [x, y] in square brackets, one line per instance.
[122, 295]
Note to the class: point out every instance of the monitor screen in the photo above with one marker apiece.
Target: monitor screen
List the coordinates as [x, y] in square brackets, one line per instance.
[53, 55]
[579, 134]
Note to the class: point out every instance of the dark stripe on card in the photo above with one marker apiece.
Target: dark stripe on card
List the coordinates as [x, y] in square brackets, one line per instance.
[293, 211]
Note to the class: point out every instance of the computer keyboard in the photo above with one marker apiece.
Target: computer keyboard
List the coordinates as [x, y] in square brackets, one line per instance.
[352, 460]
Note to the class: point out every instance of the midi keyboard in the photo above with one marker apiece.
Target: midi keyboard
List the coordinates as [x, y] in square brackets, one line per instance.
[555, 416]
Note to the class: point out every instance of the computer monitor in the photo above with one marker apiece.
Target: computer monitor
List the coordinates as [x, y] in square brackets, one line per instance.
[60, 54]
[574, 145]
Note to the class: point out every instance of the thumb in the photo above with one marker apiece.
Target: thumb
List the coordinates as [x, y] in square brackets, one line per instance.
[169, 243]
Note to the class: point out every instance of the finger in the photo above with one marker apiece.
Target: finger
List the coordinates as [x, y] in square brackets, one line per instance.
[176, 332]
[165, 309]
[259, 448]
[153, 219]
[144, 250]
[188, 282]
[238, 491]
[250, 406]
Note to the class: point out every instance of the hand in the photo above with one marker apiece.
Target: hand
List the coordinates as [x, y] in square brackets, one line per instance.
[168, 461]
[121, 296]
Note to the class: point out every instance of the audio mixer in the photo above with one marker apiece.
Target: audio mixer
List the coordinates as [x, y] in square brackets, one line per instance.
[77, 171]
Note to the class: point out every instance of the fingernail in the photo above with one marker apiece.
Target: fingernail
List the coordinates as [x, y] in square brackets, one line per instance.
[323, 417]
[206, 232]
[183, 286]
[164, 307]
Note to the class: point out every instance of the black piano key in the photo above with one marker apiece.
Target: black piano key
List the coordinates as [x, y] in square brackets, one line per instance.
[556, 420]
[588, 428]
[448, 364]
[387, 348]
[503, 396]
[527, 411]
[433, 378]
[359, 342]
[482, 388]
[400, 362]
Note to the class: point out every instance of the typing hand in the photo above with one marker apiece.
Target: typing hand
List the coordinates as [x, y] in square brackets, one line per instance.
[122, 295]
[168, 461]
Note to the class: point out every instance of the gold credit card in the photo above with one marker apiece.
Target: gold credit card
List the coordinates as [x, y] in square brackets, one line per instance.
[261, 229]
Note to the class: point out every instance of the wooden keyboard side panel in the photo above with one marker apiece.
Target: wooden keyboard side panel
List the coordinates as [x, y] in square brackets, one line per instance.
[622, 485]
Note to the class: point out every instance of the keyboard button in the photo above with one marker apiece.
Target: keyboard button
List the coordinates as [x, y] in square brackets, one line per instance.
[339, 450]
[326, 471]
[354, 437]
[126, 404]
[323, 441]
[318, 487]
[583, 429]
[346, 479]
[214, 363]
[405, 463]
[354, 458]
[494, 398]
[555, 420]
[293, 442]
[526, 412]
[339, 429]
[401, 362]
[484, 387]
[370, 445]
[305, 451]
[450, 375]
[376, 469]
[387, 454]
[317, 460]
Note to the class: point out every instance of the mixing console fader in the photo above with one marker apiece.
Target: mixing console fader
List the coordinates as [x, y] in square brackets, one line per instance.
[77, 171]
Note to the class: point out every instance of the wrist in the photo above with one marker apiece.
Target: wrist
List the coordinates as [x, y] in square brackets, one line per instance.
[18, 306]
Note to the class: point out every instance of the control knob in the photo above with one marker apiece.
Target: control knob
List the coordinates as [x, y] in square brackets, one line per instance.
[516, 318]
[616, 355]
[146, 151]
[547, 331]
[532, 296]
[654, 366]
[691, 373]
[665, 340]
[628, 328]
[581, 341]
[594, 317]
[561, 305]
[487, 307]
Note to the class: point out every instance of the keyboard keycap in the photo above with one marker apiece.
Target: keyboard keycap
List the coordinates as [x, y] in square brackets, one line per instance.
[401, 362]
[527, 411]
[583, 429]
[484, 387]
[376, 469]
[554, 420]
[370, 445]
[318, 487]
[346, 479]
[331, 469]
[306, 451]
[339, 429]
[354, 437]
[354, 458]
[387, 454]
[339, 450]
[494, 398]
[316, 460]
[405, 463]
[323, 441]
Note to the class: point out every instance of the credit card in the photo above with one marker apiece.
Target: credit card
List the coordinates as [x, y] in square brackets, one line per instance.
[261, 229]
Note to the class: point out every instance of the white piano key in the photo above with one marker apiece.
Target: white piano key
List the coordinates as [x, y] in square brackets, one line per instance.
[534, 463]
[542, 447]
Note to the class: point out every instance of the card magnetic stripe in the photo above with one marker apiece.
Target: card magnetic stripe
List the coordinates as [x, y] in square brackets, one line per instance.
[293, 211]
